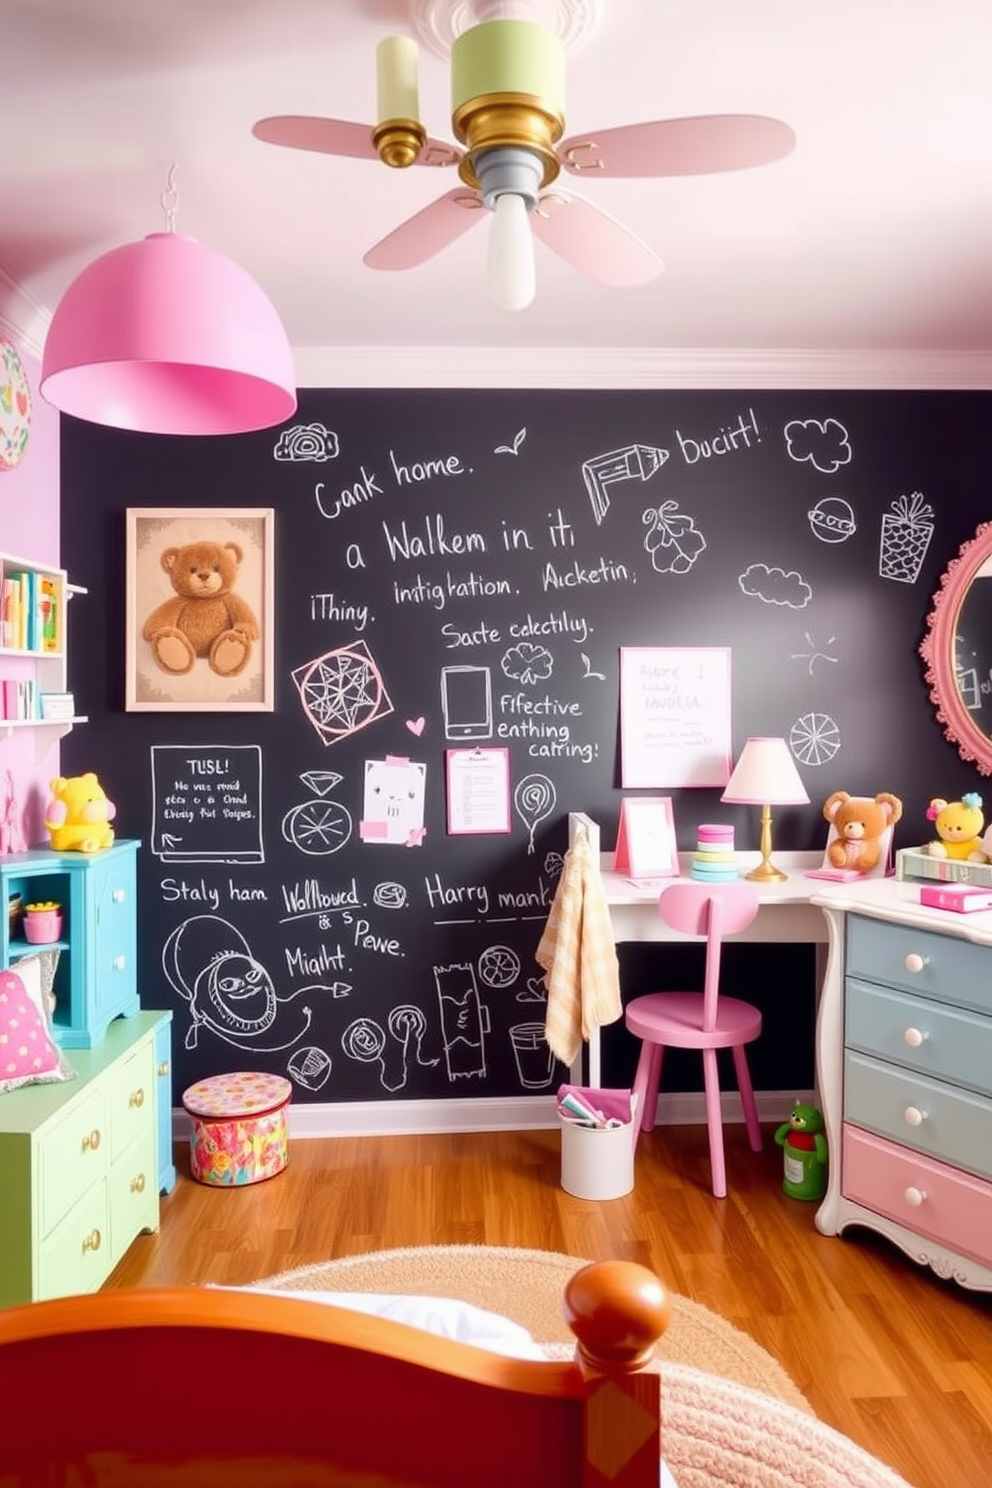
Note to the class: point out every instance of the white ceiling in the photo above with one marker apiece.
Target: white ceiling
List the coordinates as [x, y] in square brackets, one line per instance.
[873, 237]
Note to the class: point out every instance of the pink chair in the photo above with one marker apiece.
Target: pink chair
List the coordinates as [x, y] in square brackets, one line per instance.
[699, 1020]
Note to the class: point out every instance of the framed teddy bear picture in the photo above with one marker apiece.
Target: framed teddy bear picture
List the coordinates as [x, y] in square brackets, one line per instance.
[200, 610]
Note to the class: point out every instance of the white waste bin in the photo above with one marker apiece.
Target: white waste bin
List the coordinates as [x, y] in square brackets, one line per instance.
[597, 1162]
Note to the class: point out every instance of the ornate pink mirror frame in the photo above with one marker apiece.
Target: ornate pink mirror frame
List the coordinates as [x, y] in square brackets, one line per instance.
[938, 650]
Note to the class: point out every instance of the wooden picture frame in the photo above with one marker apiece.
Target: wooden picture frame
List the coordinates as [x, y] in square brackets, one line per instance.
[218, 657]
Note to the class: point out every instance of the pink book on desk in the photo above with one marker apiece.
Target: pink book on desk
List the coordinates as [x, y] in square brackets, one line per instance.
[962, 898]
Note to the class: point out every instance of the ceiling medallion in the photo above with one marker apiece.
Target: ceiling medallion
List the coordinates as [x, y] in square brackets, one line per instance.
[438, 23]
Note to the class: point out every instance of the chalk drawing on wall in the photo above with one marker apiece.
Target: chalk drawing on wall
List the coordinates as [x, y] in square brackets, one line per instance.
[318, 826]
[528, 663]
[633, 462]
[534, 991]
[832, 520]
[534, 798]
[534, 1059]
[814, 654]
[310, 1068]
[814, 739]
[312, 443]
[389, 895]
[905, 537]
[467, 702]
[824, 443]
[342, 691]
[672, 538]
[775, 586]
[588, 672]
[365, 1041]
[499, 966]
[513, 448]
[231, 995]
[554, 864]
[464, 1021]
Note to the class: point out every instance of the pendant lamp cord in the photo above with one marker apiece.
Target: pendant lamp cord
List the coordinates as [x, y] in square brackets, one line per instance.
[170, 199]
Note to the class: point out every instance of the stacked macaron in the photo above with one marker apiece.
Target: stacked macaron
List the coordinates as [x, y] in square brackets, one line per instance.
[714, 860]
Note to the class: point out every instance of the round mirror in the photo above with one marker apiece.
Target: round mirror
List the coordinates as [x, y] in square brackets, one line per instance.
[958, 650]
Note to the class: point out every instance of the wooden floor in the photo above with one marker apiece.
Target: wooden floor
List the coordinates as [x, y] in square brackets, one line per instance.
[884, 1351]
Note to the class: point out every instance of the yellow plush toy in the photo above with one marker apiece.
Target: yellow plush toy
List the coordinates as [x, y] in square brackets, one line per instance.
[959, 828]
[78, 816]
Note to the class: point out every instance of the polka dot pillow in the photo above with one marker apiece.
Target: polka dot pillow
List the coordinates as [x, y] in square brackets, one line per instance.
[28, 1055]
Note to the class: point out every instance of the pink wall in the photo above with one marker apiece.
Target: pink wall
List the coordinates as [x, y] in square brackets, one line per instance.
[29, 528]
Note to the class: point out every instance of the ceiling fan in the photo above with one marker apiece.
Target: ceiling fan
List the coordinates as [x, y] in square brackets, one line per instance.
[508, 90]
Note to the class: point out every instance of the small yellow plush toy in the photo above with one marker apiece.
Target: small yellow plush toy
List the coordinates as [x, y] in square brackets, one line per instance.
[78, 816]
[959, 828]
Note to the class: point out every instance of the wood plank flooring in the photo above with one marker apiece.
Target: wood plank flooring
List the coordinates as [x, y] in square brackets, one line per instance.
[883, 1350]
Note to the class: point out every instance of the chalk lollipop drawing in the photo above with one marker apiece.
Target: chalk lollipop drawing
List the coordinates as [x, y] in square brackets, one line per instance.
[534, 799]
[672, 541]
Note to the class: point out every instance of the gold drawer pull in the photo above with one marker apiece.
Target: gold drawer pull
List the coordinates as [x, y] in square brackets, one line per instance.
[136, 1099]
[92, 1141]
[93, 1241]
[165, 1068]
[138, 1184]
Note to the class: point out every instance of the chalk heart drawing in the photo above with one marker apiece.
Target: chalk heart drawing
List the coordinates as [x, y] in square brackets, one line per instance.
[416, 725]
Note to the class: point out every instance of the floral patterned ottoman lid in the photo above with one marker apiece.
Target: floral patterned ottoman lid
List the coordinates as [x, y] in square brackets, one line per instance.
[244, 1093]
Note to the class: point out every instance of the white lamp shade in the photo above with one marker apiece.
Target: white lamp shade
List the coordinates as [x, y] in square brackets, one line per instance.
[765, 775]
[168, 337]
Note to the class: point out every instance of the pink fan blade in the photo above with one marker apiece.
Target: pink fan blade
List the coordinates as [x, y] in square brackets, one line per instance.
[679, 147]
[422, 236]
[340, 137]
[593, 242]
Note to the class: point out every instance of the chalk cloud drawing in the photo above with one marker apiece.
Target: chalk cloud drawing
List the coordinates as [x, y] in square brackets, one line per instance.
[775, 586]
[307, 442]
[499, 966]
[528, 663]
[464, 1021]
[310, 1067]
[632, 462]
[814, 739]
[905, 538]
[673, 540]
[824, 444]
[534, 799]
[814, 654]
[318, 826]
[342, 691]
[832, 520]
[534, 1059]
[365, 1041]
[513, 448]
[230, 994]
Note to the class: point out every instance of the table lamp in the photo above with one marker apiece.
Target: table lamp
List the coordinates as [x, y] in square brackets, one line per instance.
[765, 775]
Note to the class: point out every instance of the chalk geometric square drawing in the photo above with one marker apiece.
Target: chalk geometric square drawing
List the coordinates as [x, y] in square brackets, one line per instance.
[200, 626]
[342, 691]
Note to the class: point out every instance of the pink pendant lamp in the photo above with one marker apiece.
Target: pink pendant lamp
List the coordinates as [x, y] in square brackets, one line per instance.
[166, 336]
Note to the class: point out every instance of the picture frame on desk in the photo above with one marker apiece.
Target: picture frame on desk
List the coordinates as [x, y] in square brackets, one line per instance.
[646, 843]
[221, 561]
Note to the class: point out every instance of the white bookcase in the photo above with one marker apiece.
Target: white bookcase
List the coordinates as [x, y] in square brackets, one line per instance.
[35, 653]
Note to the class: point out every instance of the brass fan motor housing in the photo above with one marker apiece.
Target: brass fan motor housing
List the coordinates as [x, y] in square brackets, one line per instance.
[515, 119]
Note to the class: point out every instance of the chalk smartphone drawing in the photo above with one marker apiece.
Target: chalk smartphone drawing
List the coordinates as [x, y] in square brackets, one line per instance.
[200, 610]
[675, 727]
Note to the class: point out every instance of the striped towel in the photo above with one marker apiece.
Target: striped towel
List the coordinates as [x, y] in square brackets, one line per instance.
[578, 955]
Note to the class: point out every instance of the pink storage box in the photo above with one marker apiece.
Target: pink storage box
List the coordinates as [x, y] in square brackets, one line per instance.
[239, 1132]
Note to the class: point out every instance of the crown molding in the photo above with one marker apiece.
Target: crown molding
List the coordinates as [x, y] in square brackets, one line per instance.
[623, 367]
[21, 316]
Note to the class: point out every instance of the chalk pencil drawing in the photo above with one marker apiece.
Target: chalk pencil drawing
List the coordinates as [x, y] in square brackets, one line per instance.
[832, 520]
[464, 1021]
[231, 995]
[342, 691]
[823, 443]
[313, 443]
[673, 540]
[310, 1068]
[534, 799]
[513, 448]
[814, 739]
[528, 663]
[318, 826]
[775, 586]
[905, 537]
[632, 462]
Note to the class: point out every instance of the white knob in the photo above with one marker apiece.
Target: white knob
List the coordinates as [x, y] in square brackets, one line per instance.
[915, 962]
[914, 1116]
[118, 896]
[915, 1037]
[119, 963]
[914, 1196]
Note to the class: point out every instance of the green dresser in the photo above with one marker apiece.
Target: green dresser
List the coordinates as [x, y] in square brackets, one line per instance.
[81, 1163]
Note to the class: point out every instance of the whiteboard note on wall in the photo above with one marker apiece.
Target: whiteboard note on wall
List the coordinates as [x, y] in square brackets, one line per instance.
[675, 724]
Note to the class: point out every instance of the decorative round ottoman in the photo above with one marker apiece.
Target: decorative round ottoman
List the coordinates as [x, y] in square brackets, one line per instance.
[239, 1132]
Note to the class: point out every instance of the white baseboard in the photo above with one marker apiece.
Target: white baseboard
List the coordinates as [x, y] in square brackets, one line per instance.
[399, 1118]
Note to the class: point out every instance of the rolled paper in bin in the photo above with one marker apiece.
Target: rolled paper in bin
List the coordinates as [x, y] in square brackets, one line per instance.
[597, 1162]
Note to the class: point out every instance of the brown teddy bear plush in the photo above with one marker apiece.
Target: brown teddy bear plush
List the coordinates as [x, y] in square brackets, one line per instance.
[860, 823]
[205, 619]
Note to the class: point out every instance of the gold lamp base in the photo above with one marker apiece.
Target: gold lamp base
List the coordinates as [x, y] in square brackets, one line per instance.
[766, 872]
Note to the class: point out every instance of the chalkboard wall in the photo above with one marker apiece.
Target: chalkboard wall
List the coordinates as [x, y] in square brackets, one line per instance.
[462, 568]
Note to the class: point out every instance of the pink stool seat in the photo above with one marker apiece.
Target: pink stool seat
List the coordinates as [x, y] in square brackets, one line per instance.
[675, 1018]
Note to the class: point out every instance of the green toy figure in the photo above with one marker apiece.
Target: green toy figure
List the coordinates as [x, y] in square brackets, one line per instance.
[805, 1153]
